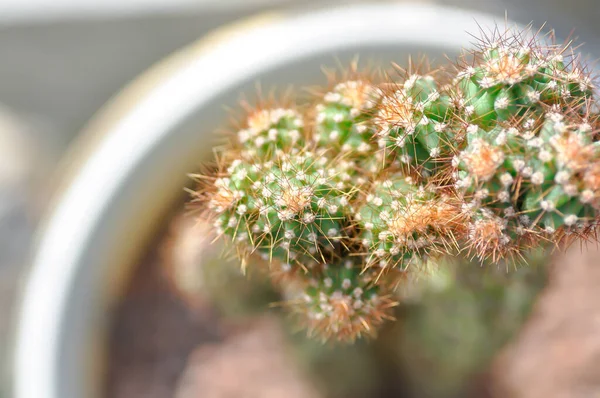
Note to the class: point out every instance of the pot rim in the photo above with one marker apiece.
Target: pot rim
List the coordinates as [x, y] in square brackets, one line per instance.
[142, 117]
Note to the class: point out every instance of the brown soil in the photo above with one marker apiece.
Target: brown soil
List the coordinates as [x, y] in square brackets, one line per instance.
[152, 337]
[250, 364]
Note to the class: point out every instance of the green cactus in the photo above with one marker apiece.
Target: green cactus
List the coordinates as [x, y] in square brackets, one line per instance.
[412, 122]
[344, 124]
[293, 208]
[402, 221]
[194, 266]
[514, 73]
[271, 131]
[464, 315]
[492, 176]
[525, 182]
[520, 111]
[342, 120]
[568, 160]
[342, 301]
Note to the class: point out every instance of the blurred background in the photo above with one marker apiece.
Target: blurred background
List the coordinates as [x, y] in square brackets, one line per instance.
[61, 60]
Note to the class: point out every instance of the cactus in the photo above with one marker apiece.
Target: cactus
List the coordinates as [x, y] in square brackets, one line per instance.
[270, 131]
[293, 208]
[569, 163]
[515, 72]
[464, 315]
[350, 196]
[412, 120]
[196, 270]
[401, 222]
[342, 119]
[343, 302]
[521, 113]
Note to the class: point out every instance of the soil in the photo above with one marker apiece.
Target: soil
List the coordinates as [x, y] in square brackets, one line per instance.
[153, 335]
[251, 364]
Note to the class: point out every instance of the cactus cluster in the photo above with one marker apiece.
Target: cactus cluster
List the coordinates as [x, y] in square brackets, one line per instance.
[349, 195]
[525, 116]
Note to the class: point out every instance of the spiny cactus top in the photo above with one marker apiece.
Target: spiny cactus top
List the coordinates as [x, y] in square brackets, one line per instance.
[352, 195]
[343, 302]
[293, 208]
[401, 221]
[412, 120]
[514, 74]
[271, 131]
[342, 119]
[533, 179]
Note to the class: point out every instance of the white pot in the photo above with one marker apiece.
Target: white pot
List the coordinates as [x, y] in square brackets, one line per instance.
[144, 143]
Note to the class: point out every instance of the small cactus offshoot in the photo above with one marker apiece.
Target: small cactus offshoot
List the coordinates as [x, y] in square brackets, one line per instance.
[342, 118]
[346, 196]
[343, 302]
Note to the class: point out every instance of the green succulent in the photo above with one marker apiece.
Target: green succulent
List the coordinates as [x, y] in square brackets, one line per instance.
[445, 339]
[520, 110]
[341, 300]
[270, 132]
[412, 120]
[401, 221]
[513, 75]
[294, 209]
[343, 119]
[496, 160]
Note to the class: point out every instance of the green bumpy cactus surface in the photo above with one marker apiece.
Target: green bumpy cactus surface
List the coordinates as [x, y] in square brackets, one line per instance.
[412, 122]
[271, 131]
[568, 159]
[515, 105]
[402, 221]
[493, 175]
[293, 209]
[342, 120]
[513, 75]
[343, 301]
